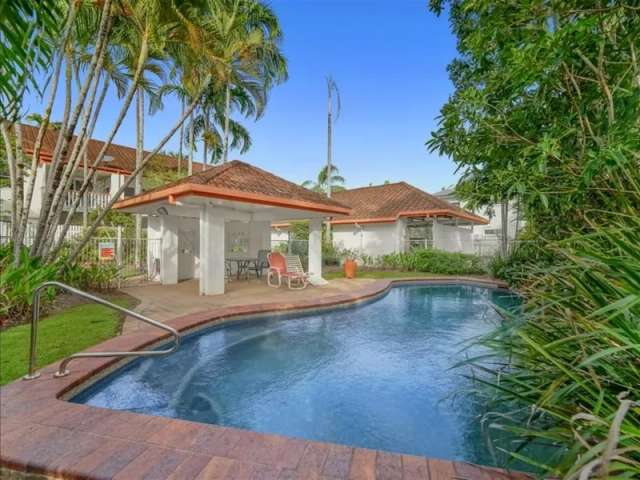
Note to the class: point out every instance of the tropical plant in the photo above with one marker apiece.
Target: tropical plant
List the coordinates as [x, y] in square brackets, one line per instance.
[27, 30]
[569, 363]
[545, 109]
[546, 101]
[322, 182]
[99, 41]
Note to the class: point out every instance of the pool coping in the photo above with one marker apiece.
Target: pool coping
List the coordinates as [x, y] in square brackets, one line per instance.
[43, 434]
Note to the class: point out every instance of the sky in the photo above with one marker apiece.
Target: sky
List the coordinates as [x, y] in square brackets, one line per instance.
[389, 61]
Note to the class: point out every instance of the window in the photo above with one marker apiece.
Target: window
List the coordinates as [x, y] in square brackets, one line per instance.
[238, 242]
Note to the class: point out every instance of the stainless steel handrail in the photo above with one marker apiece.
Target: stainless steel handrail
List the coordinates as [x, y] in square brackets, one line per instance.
[62, 369]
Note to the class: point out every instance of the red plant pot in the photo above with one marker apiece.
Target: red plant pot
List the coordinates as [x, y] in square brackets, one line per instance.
[350, 267]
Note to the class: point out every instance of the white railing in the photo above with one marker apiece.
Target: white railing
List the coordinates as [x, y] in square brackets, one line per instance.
[5, 232]
[95, 200]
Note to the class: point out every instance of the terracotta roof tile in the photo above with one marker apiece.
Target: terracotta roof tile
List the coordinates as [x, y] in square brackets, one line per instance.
[124, 158]
[388, 202]
[237, 179]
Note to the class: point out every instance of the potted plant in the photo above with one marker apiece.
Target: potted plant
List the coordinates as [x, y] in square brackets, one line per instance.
[350, 266]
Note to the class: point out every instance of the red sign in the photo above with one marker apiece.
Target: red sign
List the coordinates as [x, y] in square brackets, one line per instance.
[106, 251]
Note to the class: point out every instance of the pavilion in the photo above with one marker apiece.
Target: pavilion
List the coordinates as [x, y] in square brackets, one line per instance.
[223, 211]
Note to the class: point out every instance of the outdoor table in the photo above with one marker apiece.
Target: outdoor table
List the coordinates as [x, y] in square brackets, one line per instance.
[242, 264]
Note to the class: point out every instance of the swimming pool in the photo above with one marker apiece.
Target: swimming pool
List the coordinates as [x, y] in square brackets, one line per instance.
[377, 375]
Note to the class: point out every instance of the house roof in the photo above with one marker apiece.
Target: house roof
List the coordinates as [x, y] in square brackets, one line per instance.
[239, 181]
[124, 158]
[386, 203]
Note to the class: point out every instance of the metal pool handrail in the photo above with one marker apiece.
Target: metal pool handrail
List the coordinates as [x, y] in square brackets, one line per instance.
[62, 369]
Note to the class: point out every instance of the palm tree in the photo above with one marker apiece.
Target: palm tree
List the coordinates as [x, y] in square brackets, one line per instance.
[321, 184]
[243, 48]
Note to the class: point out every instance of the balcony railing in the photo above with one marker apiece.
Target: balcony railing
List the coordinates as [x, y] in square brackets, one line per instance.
[95, 200]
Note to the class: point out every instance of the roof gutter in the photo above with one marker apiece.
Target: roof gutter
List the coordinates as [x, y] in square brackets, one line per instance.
[422, 213]
[171, 194]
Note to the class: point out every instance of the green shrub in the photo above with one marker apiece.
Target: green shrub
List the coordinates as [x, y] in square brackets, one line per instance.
[573, 356]
[432, 261]
[17, 283]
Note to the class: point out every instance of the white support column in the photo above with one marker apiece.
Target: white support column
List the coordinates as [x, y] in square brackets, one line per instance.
[401, 229]
[211, 252]
[169, 252]
[315, 252]
[116, 181]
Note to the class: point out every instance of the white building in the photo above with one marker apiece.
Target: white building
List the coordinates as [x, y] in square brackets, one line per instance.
[111, 173]
[395, 218]
[492, 231]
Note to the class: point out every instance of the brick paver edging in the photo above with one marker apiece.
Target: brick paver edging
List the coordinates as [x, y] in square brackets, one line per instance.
[44, 435]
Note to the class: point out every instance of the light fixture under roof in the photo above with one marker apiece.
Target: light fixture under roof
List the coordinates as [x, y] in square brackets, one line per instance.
[108, 158]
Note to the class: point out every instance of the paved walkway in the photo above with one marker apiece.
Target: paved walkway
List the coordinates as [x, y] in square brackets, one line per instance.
[164, 302]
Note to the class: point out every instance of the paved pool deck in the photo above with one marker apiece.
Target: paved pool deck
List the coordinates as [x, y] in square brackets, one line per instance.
[164, 302]
[42, 434]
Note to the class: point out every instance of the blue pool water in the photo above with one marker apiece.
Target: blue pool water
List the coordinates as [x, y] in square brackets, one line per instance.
[377, 375]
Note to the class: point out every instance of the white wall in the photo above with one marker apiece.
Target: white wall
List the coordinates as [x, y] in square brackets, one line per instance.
[188, 248]
[154, 236]
[369, 239]
[452, 238]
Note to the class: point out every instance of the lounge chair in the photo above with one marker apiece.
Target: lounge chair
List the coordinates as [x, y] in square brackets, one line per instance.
[282, 268]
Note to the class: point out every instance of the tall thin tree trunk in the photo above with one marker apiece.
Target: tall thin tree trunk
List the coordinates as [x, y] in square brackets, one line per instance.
[504, 214]
[64, 176]
[205, 145]
[85, 202]
[329, 150]
[142, 58]
[329, 139]
[181, 141]
[227, 114]
[139, 159]
[53, 182]
[37, 147]
[22, 215]
[191, 146]
[11, 160]
[87, 235]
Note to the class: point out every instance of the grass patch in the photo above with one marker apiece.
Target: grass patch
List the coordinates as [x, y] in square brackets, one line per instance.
[379, 274]
[59, 335]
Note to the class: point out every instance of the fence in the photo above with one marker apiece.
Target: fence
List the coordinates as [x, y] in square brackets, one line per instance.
[134, 260]
[30, 233]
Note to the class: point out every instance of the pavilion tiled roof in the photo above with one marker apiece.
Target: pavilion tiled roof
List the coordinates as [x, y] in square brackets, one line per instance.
[386, 203]
[240, 181]
[123, 158]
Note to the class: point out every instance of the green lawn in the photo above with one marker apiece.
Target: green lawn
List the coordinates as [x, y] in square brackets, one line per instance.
[59, 335]
[378, 274]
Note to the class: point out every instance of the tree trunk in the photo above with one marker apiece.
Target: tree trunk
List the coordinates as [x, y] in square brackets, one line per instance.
[181, 140]
[139, 159]
[227, 114]
[205, 145]
[87, 235]
[504, 237]
[53, 181]
[142, 58]
[35, 157]
[11, 160]
[191, 147]
[73, 161]
[22, 215]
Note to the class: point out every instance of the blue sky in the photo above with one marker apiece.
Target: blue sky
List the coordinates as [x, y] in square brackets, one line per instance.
[389, 59]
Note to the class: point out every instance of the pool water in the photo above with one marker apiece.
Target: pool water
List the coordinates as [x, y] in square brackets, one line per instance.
[378, 375]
